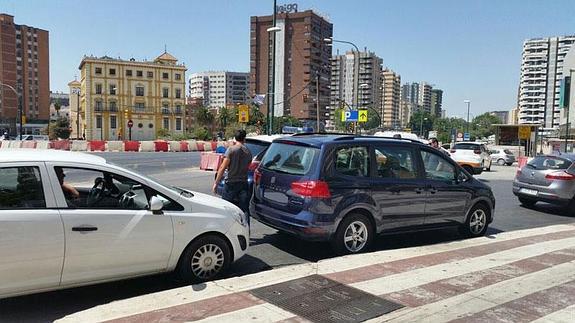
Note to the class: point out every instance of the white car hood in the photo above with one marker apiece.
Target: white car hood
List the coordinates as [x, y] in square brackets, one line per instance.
[201, 202]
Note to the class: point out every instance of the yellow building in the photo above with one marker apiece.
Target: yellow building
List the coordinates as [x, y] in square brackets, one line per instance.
[115, 91]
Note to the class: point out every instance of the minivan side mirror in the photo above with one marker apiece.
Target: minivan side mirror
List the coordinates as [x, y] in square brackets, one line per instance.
[156, 205]
[461, 177]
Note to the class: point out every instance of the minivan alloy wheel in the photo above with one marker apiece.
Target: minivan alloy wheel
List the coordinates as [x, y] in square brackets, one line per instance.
[207, 261]
[478, 221]
[356, 235]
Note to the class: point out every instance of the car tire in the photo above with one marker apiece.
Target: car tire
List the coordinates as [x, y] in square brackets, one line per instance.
[477, 221]
[527, 202]
[509, 164]
[354, 235]
[501, 162]
[204, 259]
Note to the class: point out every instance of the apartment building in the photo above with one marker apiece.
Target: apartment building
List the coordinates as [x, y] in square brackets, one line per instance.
[391, 97]
[219, 89]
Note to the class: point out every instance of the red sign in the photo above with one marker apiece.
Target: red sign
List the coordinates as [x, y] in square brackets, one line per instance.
[130, 123]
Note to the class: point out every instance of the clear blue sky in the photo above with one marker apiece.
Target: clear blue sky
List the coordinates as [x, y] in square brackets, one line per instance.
[469, 48]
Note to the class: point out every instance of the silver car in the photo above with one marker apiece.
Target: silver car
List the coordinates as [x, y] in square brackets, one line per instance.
[502, 157]
[548, 179]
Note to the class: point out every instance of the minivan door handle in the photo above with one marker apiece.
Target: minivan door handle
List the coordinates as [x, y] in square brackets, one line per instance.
[84, 229]
[419, 190]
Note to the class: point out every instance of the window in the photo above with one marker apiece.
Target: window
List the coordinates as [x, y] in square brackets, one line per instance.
[178, 109]
[98, 88]
[140, 106]
[178, 93]
[98, 122]
[139, 91]
[165, 109]
[112, 71]
[395, 162]
[165, 76]
[352, 161]
[165, 92]
[166, 123]
[178, 123]
[128, 72]
[139, 73]
[113, 122]
[113, 107]
[150, 74]
[549, 162]
[112, 89]
[290, 159]
[21, 188]
[98, 106]
[178, 76]
[437, 167]
[98, 70]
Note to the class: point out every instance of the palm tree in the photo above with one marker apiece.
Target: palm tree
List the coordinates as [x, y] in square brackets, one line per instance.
[204, 116]
[57, 107]
[224, 117]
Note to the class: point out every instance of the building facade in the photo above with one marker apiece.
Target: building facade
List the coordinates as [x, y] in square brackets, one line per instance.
[541, 74]
[391, 97]
[567, 104]
[114, 91]
[502, 115]
[59, 105]
[436, 102]
[301, 63]
[418, 94]
[219, 89]
[24, 66]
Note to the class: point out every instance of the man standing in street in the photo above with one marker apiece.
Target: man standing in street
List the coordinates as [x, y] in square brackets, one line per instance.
[236, 160]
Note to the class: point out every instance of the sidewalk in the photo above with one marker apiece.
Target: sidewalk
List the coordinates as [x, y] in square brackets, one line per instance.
[518, 276]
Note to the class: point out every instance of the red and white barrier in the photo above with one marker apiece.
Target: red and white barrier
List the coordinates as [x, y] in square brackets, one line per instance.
[184, 146]
[174, 146]
[61, 144]
[132, 146]
[210, 161]
[161, 145]
[30, 144]
[97, 145]
[115, 146]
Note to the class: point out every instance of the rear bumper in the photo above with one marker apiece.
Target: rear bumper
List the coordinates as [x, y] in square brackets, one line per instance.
[300, 225]
[542, 195]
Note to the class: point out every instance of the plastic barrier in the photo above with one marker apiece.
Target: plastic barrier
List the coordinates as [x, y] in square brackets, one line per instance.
[44, 144]
[131, 145]
[214, 145]
[184, 146]
[28, 144]
[4, 144]
[210, 161]
[208, 146]
[192, 145]
[15, 143]
[61, 144]
[79, 145]
[97, 145]
[174, 146]
[200, 146]
[161, 145]
[147, 146]
[522, 161]
[115, 146]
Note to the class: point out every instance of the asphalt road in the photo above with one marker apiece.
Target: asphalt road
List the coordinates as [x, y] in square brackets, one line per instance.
[268, 249]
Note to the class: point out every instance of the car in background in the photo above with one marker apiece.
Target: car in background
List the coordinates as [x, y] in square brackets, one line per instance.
[34, 137]
[547, 178]
[502, 157]
[346, 189]
[472, 156]
[117, 225]
[257, 145]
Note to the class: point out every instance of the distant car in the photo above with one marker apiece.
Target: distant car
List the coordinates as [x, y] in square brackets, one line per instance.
[548, 179]
[257, 145]
[120, 225]
[502, 157]
[34, 137]
[346, 189]
[472, 156]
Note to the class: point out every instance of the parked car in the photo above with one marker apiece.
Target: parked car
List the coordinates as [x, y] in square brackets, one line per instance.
[548, 179]
[118, 225]
[502, 157]
[472, 156]
[34, 137]
[345, 189]
[257, 145]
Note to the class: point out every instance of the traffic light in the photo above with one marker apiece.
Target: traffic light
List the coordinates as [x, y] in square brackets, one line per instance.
[305, 98]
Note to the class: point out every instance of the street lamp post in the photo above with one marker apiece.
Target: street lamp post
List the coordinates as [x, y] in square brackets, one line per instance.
[20, 112]
[421, 124]
[271, 76]
[468, 102]
[77, 92]
[567, 125]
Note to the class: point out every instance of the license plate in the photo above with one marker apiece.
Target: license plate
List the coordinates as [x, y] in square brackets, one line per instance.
[528, 191]
[277, 197]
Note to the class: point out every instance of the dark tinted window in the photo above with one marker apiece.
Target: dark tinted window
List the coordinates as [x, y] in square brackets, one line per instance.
[549, 162]
[437, 167]
[289, 159]
[467, 146]
[256, 148]
[352, 161]
[395, 162]
[21, 188]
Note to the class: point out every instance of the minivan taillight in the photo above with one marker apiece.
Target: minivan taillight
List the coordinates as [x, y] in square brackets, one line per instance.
[316, 189]
[257, 176]
[477, 151]
[560, 175]
[253, 165]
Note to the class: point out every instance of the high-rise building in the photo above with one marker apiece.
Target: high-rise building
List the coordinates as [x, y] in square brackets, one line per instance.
[502, 115]
[356, 81]
[436, 102]
[541, 74]
[410, 93]
[390, 108]
[24, 66]
[301, 59]
[405, 111]
[219, 89]
[513, 116]
[424, 99]
[114, 91]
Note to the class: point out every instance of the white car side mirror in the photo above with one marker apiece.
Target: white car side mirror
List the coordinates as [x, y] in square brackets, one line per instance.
[156, 205]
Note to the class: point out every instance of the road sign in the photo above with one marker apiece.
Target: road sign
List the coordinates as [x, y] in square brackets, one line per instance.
[524, 132]
[362, 116]
[466, 136]
[130, 123]
[350, 116]
[244, 114]
[460, 136]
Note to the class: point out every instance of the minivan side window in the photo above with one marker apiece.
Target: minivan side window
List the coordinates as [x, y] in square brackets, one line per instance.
[21, 188]
[437, 167]
[352, 161]
[395, 162]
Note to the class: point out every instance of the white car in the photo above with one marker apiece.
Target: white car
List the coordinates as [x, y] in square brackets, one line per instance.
[69, 219]
[472, 156]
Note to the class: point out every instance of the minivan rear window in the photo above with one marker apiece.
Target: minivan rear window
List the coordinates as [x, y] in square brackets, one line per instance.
[256, 147]
[289, 159]
[549, 162]
[467, 146]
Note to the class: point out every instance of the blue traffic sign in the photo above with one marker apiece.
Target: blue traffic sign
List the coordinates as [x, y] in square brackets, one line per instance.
[466, 136]
[350, 116]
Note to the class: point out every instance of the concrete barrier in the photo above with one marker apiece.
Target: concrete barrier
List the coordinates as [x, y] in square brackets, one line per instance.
[4, 144]
[131, 146]
[61, 144]
[208, 146]
[174, 146]
[200, 145]
[44, 144]
[115, 146]
[79, 145]
[15, 143]
[184, 146]
[161, 145]
[192, 145]
[147, 146]
[97, 145]
[31, 144]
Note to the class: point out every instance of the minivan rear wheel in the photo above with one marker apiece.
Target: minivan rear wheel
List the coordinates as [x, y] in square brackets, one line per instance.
[477, 221]
[354, 234]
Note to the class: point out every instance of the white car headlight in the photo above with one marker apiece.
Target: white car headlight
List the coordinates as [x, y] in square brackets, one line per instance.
[238, 215]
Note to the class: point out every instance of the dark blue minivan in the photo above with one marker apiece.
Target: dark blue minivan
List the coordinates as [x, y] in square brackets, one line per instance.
[346, 189]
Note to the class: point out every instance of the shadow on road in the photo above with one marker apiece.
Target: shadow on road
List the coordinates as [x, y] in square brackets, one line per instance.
[551, 209]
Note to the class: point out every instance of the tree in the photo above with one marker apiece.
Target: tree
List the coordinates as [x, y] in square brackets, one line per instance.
[57, 106]
[444, 126]
[373, 119]
[225, 117]
[482, 125]
[280, 122]
[420, 118]
[204, 116]
[59, 129]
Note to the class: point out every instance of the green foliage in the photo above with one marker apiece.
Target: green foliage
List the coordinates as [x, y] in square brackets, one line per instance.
[226, 116]
[205, 117]
[373, 119]
[482, 125]
[420, 118]
[162, 133]
[202, 133]
[280, 122]
[443, 126]
[59, 129]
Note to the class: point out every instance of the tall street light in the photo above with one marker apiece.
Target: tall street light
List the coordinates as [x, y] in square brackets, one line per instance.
[272, 67]
[421, 126]
[567, 125]
[77, 92]
[468, 102]
[330, 41]
[20, 112]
